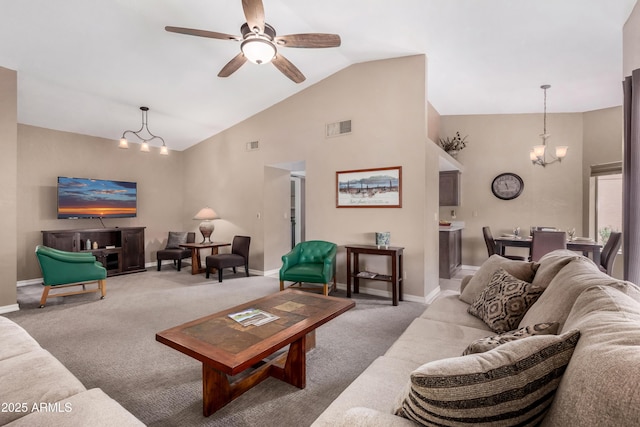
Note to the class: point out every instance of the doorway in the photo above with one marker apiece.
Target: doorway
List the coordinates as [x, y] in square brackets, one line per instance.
[297, 208]
[297, 200]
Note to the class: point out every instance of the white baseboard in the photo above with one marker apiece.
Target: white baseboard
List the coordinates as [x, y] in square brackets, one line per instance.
[381, 293]
[36, 281]
[9, 308]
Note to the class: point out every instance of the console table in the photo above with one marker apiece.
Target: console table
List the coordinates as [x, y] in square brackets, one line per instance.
[396, 253]
[120, 250]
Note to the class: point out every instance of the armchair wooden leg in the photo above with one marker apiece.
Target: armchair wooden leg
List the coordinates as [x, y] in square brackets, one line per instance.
[159, 262]
[179, 264]
[220, 275]
[103, 287]
[325, 289]
[207, 271]
[246, 269]
[45, 293]
[335, 287]
[281, 285]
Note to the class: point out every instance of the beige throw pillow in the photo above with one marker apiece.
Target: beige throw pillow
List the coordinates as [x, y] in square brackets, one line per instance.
[489, 343]
[521, 269]
[503, 303]
[511, 385]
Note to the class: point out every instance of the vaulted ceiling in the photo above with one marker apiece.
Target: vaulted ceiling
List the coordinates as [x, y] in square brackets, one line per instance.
[87, 66]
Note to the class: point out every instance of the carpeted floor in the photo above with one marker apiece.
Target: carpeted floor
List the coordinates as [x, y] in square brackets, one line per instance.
[111, 344]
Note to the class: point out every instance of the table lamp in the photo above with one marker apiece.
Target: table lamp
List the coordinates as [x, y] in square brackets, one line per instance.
[206, 226]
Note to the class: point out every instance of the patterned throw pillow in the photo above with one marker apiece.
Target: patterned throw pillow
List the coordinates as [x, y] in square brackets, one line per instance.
[176, 238]
[489, 343]
[511, 385]
[504, 302]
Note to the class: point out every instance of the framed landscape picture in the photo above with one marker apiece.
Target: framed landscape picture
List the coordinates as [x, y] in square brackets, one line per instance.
[369, 188]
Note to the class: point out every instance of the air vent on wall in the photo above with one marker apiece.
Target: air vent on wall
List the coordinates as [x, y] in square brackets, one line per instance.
[338, 128]
[253, 145]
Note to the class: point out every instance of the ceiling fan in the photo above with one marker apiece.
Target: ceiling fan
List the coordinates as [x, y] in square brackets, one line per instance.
[259, 43]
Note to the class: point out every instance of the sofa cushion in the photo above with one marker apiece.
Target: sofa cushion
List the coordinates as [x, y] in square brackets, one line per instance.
[489, 343]
[550, 264]
[89, 408]
[503, 303]
[512, 384]
[426, 340]
[34, 378]
[555, 303]
[176, 238]
[15, 340]
[366, 417]
[521, 269]
[450, 309]
[600, 385]
[375, 388]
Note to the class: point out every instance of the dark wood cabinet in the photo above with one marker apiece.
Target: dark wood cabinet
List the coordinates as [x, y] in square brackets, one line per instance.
[132, 249]
[120, 250]
[450, 188]
[450, 253]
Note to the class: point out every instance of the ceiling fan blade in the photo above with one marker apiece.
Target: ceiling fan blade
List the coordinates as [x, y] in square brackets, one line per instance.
[312, 40]
[288, 69]
[202, 33]
[254, 13]
[233, 65]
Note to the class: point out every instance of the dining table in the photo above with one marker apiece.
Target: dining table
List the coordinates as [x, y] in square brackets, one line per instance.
[587, 247]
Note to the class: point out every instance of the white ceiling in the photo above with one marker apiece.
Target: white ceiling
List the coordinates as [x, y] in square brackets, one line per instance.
[87, 66]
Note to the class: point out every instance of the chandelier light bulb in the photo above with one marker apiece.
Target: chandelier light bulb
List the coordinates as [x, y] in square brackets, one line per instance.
[144, 147]
[123, 143]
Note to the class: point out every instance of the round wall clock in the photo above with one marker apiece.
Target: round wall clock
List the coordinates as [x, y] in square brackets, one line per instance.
[507, 186]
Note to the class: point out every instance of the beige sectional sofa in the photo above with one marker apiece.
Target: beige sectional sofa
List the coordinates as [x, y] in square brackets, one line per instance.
[600, 386]
[37, 390]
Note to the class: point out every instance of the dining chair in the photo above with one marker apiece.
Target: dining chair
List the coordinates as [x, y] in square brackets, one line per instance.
[544, 242]
[238, 257]
[491, 245]
[173, 251]
[609, 252]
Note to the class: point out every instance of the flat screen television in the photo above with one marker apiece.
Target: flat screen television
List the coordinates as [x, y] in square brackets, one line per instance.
[96, 198]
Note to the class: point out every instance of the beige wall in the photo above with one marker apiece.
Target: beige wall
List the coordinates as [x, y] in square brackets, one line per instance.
[552, 196]
[9, 190]
[433, 123]
[386, 102]
[603, 137]
[45, 154]
[631, 42]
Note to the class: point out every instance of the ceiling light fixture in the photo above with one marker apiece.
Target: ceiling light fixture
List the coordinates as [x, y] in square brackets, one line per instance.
[258, 47]
[538, 153]
[144, 146]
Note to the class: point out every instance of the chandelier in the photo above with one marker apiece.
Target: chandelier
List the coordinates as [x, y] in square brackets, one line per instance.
[144, 146]
[538, 153]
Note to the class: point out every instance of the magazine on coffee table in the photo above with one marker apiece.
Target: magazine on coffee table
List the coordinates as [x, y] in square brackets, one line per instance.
[253, 316]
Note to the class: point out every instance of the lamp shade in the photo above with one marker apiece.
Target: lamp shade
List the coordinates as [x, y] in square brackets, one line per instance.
[539, 150]
[258, 51]
[561, 151]
[206, 213]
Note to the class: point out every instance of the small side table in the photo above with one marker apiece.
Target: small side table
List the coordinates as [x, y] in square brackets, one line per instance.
[196, 264]
[395, 278]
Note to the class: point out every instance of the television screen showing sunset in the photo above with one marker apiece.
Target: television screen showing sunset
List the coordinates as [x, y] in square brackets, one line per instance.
[96, 198]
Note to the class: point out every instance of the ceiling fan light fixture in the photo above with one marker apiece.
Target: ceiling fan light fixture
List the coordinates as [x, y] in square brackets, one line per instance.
[258, 50]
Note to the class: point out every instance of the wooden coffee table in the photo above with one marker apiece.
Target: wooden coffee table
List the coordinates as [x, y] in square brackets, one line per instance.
[226, 348]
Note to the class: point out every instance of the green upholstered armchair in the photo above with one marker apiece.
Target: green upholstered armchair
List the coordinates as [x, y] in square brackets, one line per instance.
[61, 269]
[313, 261]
